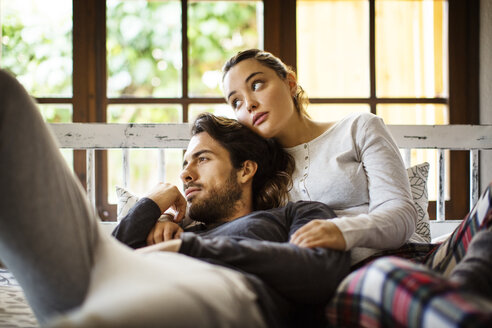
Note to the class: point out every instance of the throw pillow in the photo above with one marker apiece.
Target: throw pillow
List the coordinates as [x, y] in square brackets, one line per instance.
[417, 176]
[126, 200]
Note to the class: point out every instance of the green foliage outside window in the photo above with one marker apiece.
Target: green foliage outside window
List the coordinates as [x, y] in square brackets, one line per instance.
[144, 45]
[217, 30]
[37, 45]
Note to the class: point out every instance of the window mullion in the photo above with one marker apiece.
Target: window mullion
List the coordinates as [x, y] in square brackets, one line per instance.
[184, 47]
[372, 55]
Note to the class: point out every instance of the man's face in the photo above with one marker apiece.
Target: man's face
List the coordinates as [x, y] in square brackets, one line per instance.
[210, 182]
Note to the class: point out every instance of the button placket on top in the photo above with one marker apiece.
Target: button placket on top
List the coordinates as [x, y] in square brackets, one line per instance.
[305, 168]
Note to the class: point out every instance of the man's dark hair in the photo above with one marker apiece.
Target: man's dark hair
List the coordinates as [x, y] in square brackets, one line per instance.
[273, 178]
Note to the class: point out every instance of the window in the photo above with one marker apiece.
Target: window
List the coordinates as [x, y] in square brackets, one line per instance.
[36, 46]
[388, 57]
[159, 61]
[153, 78]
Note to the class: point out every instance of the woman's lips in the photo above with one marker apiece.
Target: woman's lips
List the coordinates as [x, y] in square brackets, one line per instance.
[260, 118]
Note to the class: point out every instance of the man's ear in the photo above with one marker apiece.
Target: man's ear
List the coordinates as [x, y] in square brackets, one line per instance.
[292, 81]
[247, 172]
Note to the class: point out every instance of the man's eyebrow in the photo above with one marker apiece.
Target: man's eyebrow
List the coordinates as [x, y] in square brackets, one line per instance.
[197, 154]
[246, 81]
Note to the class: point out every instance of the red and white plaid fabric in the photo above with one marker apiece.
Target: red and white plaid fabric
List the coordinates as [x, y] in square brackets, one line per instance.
[396, 292]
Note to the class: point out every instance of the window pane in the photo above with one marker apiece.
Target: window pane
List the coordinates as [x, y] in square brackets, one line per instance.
[421, 114]
[144, 48]
[413, 113]
[333, 48]
[216, 109]
[334, 112]
[139, 113]
[216, 31]
[56, 113]
[411, 48]
[36, 45]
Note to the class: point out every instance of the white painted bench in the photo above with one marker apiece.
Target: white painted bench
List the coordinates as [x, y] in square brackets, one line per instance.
[93, 136]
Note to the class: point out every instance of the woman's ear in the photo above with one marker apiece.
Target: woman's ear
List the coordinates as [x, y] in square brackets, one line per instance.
[292, 81]
[247, 172]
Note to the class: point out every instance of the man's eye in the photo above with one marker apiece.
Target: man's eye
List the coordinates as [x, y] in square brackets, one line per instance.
[202, 159]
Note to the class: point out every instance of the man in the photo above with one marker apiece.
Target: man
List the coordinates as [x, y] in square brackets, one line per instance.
[231, 185]
[228, 172]
[75, 275]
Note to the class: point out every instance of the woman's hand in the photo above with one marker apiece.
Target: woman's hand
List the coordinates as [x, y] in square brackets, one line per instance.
[163, 231]
[319, 233]
[168, 196]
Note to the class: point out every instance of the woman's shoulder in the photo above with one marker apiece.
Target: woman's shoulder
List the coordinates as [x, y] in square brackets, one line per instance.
[358, 117]
[361, 122]
[352, 122]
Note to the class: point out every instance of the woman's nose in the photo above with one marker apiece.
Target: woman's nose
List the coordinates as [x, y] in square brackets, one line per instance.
[251, 105]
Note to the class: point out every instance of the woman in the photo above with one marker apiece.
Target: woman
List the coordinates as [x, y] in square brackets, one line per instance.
[352, 165]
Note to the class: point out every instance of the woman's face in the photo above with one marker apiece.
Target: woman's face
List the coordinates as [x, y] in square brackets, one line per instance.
[260, 99]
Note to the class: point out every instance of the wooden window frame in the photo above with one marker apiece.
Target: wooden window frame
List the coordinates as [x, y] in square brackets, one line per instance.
[90, 100]
[463, 101]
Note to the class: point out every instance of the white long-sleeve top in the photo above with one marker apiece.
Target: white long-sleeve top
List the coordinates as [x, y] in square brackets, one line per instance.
[356, 168]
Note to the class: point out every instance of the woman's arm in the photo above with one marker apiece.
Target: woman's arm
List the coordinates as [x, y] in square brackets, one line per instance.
[366, 181]
[391, 216]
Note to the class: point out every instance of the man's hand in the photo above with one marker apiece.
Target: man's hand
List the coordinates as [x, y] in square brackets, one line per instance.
[319, 233]
[167, 196]
[167, 246]
[163, 231]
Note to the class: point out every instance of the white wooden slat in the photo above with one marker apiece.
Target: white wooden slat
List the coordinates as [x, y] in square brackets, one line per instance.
[473, 177]
[101, 135]
[104, 136]
[162, 166]
[407, 157]
[126, 167]
[453, 137]
[440, 202]
[91, 177]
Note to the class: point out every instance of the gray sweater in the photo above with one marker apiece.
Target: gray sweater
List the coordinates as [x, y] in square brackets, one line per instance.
[356, 168]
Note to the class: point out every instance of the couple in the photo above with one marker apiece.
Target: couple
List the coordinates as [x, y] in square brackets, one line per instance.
[352, 165]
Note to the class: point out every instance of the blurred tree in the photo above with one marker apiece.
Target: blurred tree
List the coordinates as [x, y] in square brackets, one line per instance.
[37, 45]
[144, 45]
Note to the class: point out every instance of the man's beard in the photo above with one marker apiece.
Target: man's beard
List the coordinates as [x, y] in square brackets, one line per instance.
[219, 204]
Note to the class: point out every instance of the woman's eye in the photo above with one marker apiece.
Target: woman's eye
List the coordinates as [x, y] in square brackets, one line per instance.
[256, 85]
[236, 103]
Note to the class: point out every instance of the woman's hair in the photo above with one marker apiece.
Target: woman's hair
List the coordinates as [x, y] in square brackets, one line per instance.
[269, 60]
[272, 180]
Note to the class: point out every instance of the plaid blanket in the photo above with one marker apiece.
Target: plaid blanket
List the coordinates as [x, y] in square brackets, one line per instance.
[396, 292]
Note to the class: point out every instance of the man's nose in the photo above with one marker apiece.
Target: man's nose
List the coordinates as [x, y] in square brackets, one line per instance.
[186, 175]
